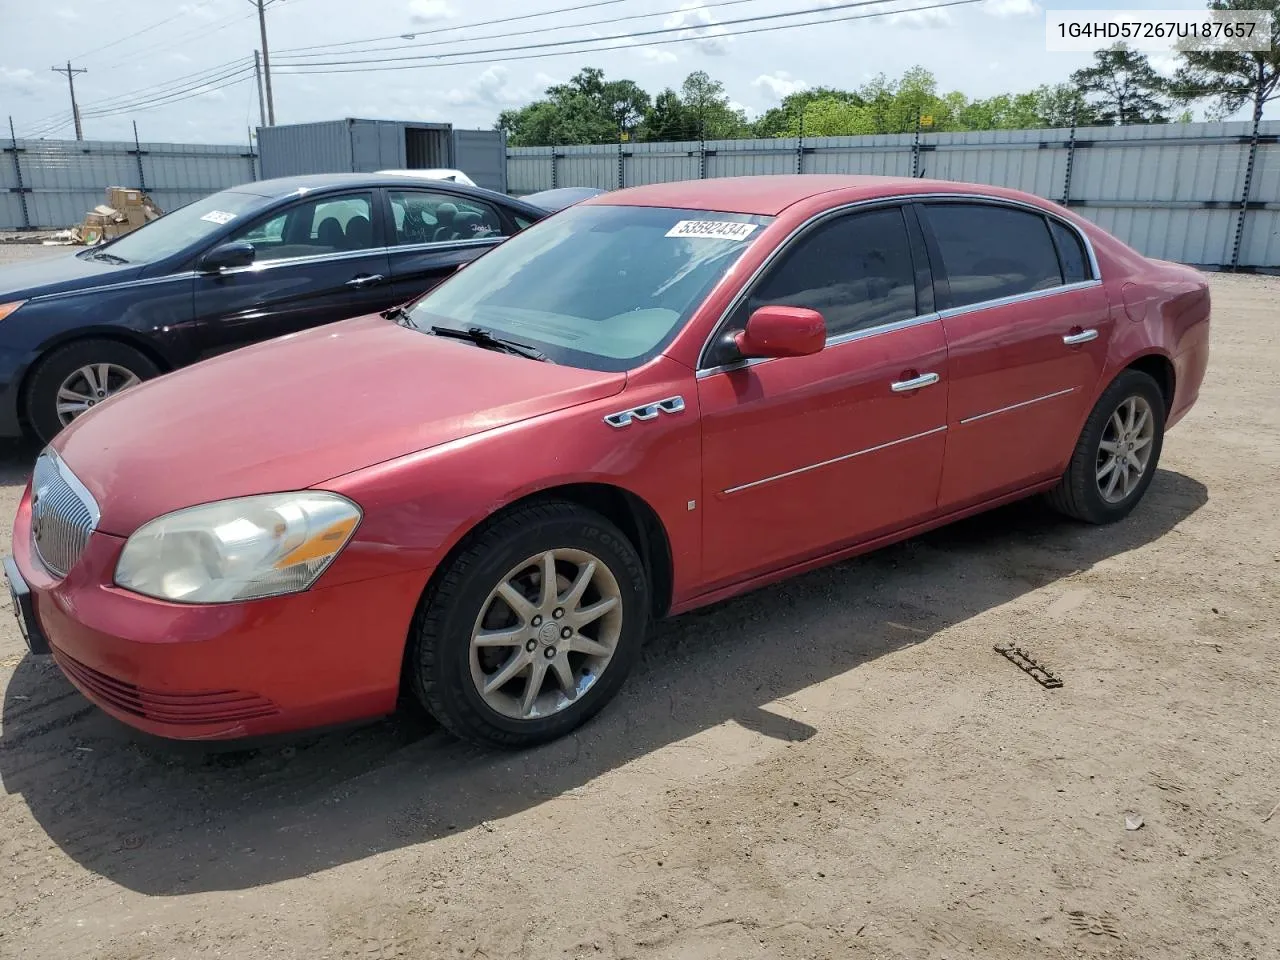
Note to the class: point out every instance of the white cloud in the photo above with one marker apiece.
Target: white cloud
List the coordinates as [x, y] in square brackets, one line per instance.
[199, 11]
[658, 55]
[67, 14]
[425, 11]
[926, 18]
[1011, 8]
[702, 23]
[24, 81]
[490, 89]
[1164, 63]
[779, 85]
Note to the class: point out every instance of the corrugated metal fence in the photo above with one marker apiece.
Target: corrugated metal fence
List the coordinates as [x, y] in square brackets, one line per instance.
[1202, 193]
[52, 183]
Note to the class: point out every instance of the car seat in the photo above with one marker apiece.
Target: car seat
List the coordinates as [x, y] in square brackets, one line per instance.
[446, 228]
[359, 233]
[330, 234]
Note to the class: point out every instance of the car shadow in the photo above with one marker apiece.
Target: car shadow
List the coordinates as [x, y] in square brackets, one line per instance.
[167, 819]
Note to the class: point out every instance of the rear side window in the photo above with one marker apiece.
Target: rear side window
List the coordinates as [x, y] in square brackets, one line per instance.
[855, 270]
[1075, 264]
[989, 251]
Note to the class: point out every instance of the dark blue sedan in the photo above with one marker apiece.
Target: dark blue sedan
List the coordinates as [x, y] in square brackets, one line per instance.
[253, 262]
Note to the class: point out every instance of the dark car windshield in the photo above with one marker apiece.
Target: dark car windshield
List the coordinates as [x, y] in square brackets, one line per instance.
[184, 226]
[601, 287]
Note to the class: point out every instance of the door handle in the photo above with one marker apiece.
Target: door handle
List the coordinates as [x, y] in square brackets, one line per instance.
[1084, 336]
[366, 280]
[915, 383]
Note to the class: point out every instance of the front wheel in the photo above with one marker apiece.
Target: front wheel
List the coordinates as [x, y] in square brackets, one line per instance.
[1117, 453]
[74, 379]
[532, 628]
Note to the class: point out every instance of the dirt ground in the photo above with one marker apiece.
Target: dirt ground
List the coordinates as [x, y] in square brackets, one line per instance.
[837, 767]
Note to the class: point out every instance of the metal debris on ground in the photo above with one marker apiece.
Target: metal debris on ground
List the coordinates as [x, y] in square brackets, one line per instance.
[1028, 664]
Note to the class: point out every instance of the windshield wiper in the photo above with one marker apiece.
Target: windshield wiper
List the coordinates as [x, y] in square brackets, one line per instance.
[401, 316]
[107, 257]
[483, 338]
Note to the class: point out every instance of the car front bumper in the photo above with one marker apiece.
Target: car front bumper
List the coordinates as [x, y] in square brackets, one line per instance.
[218, 671]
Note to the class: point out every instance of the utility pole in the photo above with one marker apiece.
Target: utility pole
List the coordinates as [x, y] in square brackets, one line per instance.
[71, 82]
[257, 75]
[266, 59]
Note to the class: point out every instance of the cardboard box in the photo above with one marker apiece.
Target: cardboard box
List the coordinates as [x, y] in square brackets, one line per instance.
[124, 197]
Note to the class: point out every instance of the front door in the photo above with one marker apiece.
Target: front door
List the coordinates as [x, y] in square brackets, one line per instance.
[318, 261]
[804, 455]
[432, 233]
[1027, 326]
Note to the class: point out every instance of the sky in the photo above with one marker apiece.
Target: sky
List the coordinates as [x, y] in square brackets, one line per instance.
[199, 54]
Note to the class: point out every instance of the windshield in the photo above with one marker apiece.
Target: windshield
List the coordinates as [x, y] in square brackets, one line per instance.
[601, 287]
[184, 226]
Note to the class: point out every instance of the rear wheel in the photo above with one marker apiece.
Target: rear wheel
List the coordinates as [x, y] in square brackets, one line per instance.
[74, 379]
[1117, 453]
[532, 628]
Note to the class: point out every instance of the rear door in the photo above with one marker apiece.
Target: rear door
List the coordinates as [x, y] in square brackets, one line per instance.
[1027, 324]
[432, 232]
[318, 261]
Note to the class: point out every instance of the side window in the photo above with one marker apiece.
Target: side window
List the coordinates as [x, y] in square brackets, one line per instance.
[990, 251]
[1075, 262]
[855, 270]
[424, 217]
[326, 225]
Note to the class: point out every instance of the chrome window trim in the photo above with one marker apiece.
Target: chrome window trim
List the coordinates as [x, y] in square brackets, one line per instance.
[834, 341]
[440, 244]
[258, 266]
[1016, 406]
[881, 201]
[1018, 298]
[834, 460]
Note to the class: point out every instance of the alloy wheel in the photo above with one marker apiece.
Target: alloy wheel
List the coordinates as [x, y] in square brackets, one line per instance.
[89, 385]
[546, 634]
[1124, 453]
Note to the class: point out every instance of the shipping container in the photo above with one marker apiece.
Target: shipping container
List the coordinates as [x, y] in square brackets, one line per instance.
[365, 146]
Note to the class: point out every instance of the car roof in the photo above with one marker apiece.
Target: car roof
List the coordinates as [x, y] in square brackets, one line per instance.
[769, 195]
[284, 186]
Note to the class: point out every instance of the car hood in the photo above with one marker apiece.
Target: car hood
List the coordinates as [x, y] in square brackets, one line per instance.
[22, 281]
[293, 412]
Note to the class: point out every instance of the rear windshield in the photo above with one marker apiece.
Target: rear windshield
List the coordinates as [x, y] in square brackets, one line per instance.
[184, 226]
[601, 287]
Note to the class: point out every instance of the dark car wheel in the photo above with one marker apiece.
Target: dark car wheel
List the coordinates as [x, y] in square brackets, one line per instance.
[532, 628]
[1117, 453]
[73, 379]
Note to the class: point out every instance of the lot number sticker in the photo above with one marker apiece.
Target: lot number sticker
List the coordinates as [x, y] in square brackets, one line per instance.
[712, 229]
[218, 216]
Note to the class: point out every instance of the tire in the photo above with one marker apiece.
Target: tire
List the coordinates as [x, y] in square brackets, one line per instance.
[1083, 492]
[61, 365]
[447, 671]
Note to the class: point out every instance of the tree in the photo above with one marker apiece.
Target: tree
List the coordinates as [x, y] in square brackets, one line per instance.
[1230, 78]
[667, 119]
[1062, 105]
[586, 109]
[1122, 87]
[784, 119]
[707, 107]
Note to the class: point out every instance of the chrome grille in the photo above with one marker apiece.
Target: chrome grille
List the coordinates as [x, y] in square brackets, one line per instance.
[63, 514]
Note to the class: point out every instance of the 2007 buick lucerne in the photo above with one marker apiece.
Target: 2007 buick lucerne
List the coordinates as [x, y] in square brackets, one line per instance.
[650, 401]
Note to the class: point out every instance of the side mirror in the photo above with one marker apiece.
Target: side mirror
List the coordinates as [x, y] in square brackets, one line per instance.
[776, 331]
[238, 253]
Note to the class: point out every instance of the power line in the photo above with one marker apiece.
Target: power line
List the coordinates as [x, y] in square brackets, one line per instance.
[147, 91]
[462, 26]
[307, 68]
[540, 30]
[137, 33]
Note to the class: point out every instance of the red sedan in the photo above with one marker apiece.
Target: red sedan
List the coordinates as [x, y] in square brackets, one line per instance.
[651, 401]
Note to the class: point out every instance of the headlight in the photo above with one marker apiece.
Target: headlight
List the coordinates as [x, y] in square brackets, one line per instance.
[238, 549]
[8, 308]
